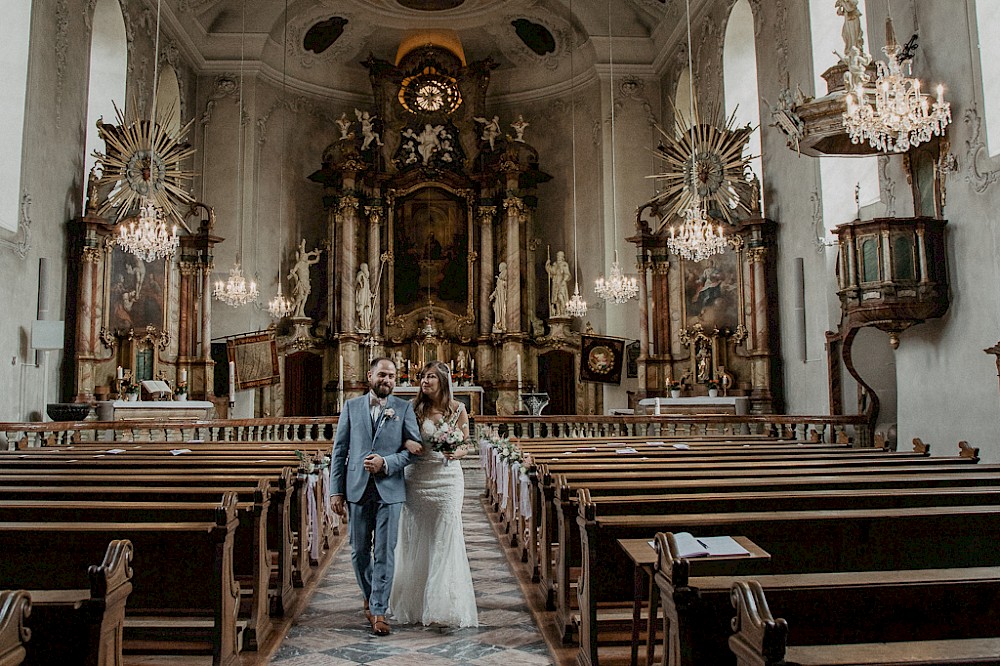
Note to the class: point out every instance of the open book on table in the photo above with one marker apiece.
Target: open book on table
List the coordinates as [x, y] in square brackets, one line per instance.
[717, 546]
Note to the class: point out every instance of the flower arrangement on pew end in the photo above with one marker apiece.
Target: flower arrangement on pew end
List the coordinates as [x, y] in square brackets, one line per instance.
[309, 464]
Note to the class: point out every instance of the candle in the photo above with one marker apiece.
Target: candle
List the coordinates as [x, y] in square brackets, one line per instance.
[341, 375]
[121, 373]
[519, 372]
[657, 412]
[472, 367]
[184, 375]
[232, 381]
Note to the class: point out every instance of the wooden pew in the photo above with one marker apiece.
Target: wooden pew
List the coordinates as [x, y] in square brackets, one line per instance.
[798, 541]
[557, 515]
[15, 607]
[251, 562]
[900, 617]
[183, 569]
[79, 626]
[293, 486]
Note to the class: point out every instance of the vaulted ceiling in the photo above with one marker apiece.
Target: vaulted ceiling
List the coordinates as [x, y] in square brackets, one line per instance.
[327, 39]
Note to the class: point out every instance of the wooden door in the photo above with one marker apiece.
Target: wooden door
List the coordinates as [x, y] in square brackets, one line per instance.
[557, 377]
[303, 385]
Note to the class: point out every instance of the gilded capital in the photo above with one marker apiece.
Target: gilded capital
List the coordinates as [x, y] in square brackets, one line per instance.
[374, 214]
[757, 254]
[92, 254]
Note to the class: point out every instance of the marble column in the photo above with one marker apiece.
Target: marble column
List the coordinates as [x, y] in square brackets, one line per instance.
[374, 214]
[516, 215]
[185, 310]
[758, 292]
[347, 221]
[486, 269]
[535, 325]
[206, 328]
[643, 324]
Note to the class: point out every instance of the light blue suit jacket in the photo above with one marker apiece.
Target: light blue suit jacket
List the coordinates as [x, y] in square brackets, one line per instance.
[356, 438]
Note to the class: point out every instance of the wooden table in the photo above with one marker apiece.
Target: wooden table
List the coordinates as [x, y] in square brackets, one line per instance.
[643, 557]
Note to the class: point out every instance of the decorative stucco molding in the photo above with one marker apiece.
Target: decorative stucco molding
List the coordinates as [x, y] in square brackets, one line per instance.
[886, 186]
[21, 242]
[975, 147]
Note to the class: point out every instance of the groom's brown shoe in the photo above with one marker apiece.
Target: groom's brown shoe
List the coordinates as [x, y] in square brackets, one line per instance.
[379, 626]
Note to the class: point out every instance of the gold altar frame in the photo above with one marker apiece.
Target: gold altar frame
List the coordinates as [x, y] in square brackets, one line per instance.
[395, 198]
[151, 329]
[730, 265]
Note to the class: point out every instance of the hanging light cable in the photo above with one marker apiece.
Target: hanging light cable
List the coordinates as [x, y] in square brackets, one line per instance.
[696, 239]
[279, 306]
[618, 287]
[147, 237]
[237, 290]
[576, 306]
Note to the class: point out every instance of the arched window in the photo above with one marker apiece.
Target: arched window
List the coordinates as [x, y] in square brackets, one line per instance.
[739, 66]
[168, 99]
[987, 15]
[108, 67]
[16, 33]
[839, 176]
[682, 100]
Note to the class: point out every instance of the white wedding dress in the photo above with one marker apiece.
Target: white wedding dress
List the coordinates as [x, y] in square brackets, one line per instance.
[432, 583]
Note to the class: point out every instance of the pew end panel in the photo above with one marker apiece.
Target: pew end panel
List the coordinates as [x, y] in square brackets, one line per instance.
[758, 638]
[15, 608]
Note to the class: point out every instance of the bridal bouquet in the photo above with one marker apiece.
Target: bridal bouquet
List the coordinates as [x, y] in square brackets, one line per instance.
[447, 438]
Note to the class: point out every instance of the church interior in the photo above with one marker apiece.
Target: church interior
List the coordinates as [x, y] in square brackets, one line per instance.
[602, 215]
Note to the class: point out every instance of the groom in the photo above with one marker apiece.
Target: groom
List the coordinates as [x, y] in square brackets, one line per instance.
[369, 455]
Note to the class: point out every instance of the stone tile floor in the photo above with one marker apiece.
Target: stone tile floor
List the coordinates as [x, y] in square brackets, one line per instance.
[332, 631]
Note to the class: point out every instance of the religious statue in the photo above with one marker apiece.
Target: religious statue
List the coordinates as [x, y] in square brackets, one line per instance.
[854, 37]
[491, 130]
[703, 368]
[345, 127]
[367, 129]
[93, 183]
[363, 299]
[499, 300]
[461, 363]
[558, 280]
[854, 56]
[299, 277]
[428, 141]
[519, 126]
[397, 357]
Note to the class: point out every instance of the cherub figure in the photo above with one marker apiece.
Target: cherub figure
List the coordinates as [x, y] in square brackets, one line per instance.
[491, 130]
[368, 129]
[519, 126]
[345, 127]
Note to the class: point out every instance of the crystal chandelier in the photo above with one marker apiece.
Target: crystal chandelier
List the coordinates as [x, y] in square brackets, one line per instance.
[280, 307]
[148, 238]
[902, 117]
[236, 291]
[576, 306]
[617, 288]
[697, 239]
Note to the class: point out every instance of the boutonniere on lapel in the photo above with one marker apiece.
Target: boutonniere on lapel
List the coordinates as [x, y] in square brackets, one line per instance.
[389, 414]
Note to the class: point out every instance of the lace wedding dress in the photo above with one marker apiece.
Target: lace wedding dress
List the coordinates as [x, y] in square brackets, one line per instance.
[432, 581]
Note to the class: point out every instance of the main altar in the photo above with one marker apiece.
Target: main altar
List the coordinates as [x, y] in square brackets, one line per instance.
[431, 234]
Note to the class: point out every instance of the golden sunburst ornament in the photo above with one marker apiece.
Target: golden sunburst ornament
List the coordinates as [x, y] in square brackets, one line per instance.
[143, 163]
[703, 161]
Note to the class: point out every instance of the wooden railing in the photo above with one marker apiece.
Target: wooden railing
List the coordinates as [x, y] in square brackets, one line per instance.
[320, 431]
[806, 428]
[309, 431]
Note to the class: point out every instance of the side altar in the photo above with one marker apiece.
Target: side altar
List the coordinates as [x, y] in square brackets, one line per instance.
[470, 396]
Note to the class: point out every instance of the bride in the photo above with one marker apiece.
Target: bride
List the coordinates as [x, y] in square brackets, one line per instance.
[433, 583]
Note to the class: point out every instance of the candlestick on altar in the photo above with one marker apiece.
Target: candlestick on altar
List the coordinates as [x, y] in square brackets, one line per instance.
[184, 376]
[232, 386]
[121, 373]
[520, 385]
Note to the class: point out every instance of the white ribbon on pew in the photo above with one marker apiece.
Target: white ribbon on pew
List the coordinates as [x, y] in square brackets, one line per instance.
[314, 524]
[502, 479]
[525, 495]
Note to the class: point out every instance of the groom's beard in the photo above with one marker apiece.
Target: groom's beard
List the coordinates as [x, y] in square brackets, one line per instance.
[382, 389]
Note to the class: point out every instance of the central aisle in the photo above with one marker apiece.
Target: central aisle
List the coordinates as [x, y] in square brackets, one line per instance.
[332, 630]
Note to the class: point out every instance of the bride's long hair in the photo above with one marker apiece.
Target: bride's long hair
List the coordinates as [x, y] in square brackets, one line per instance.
[441, 401]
